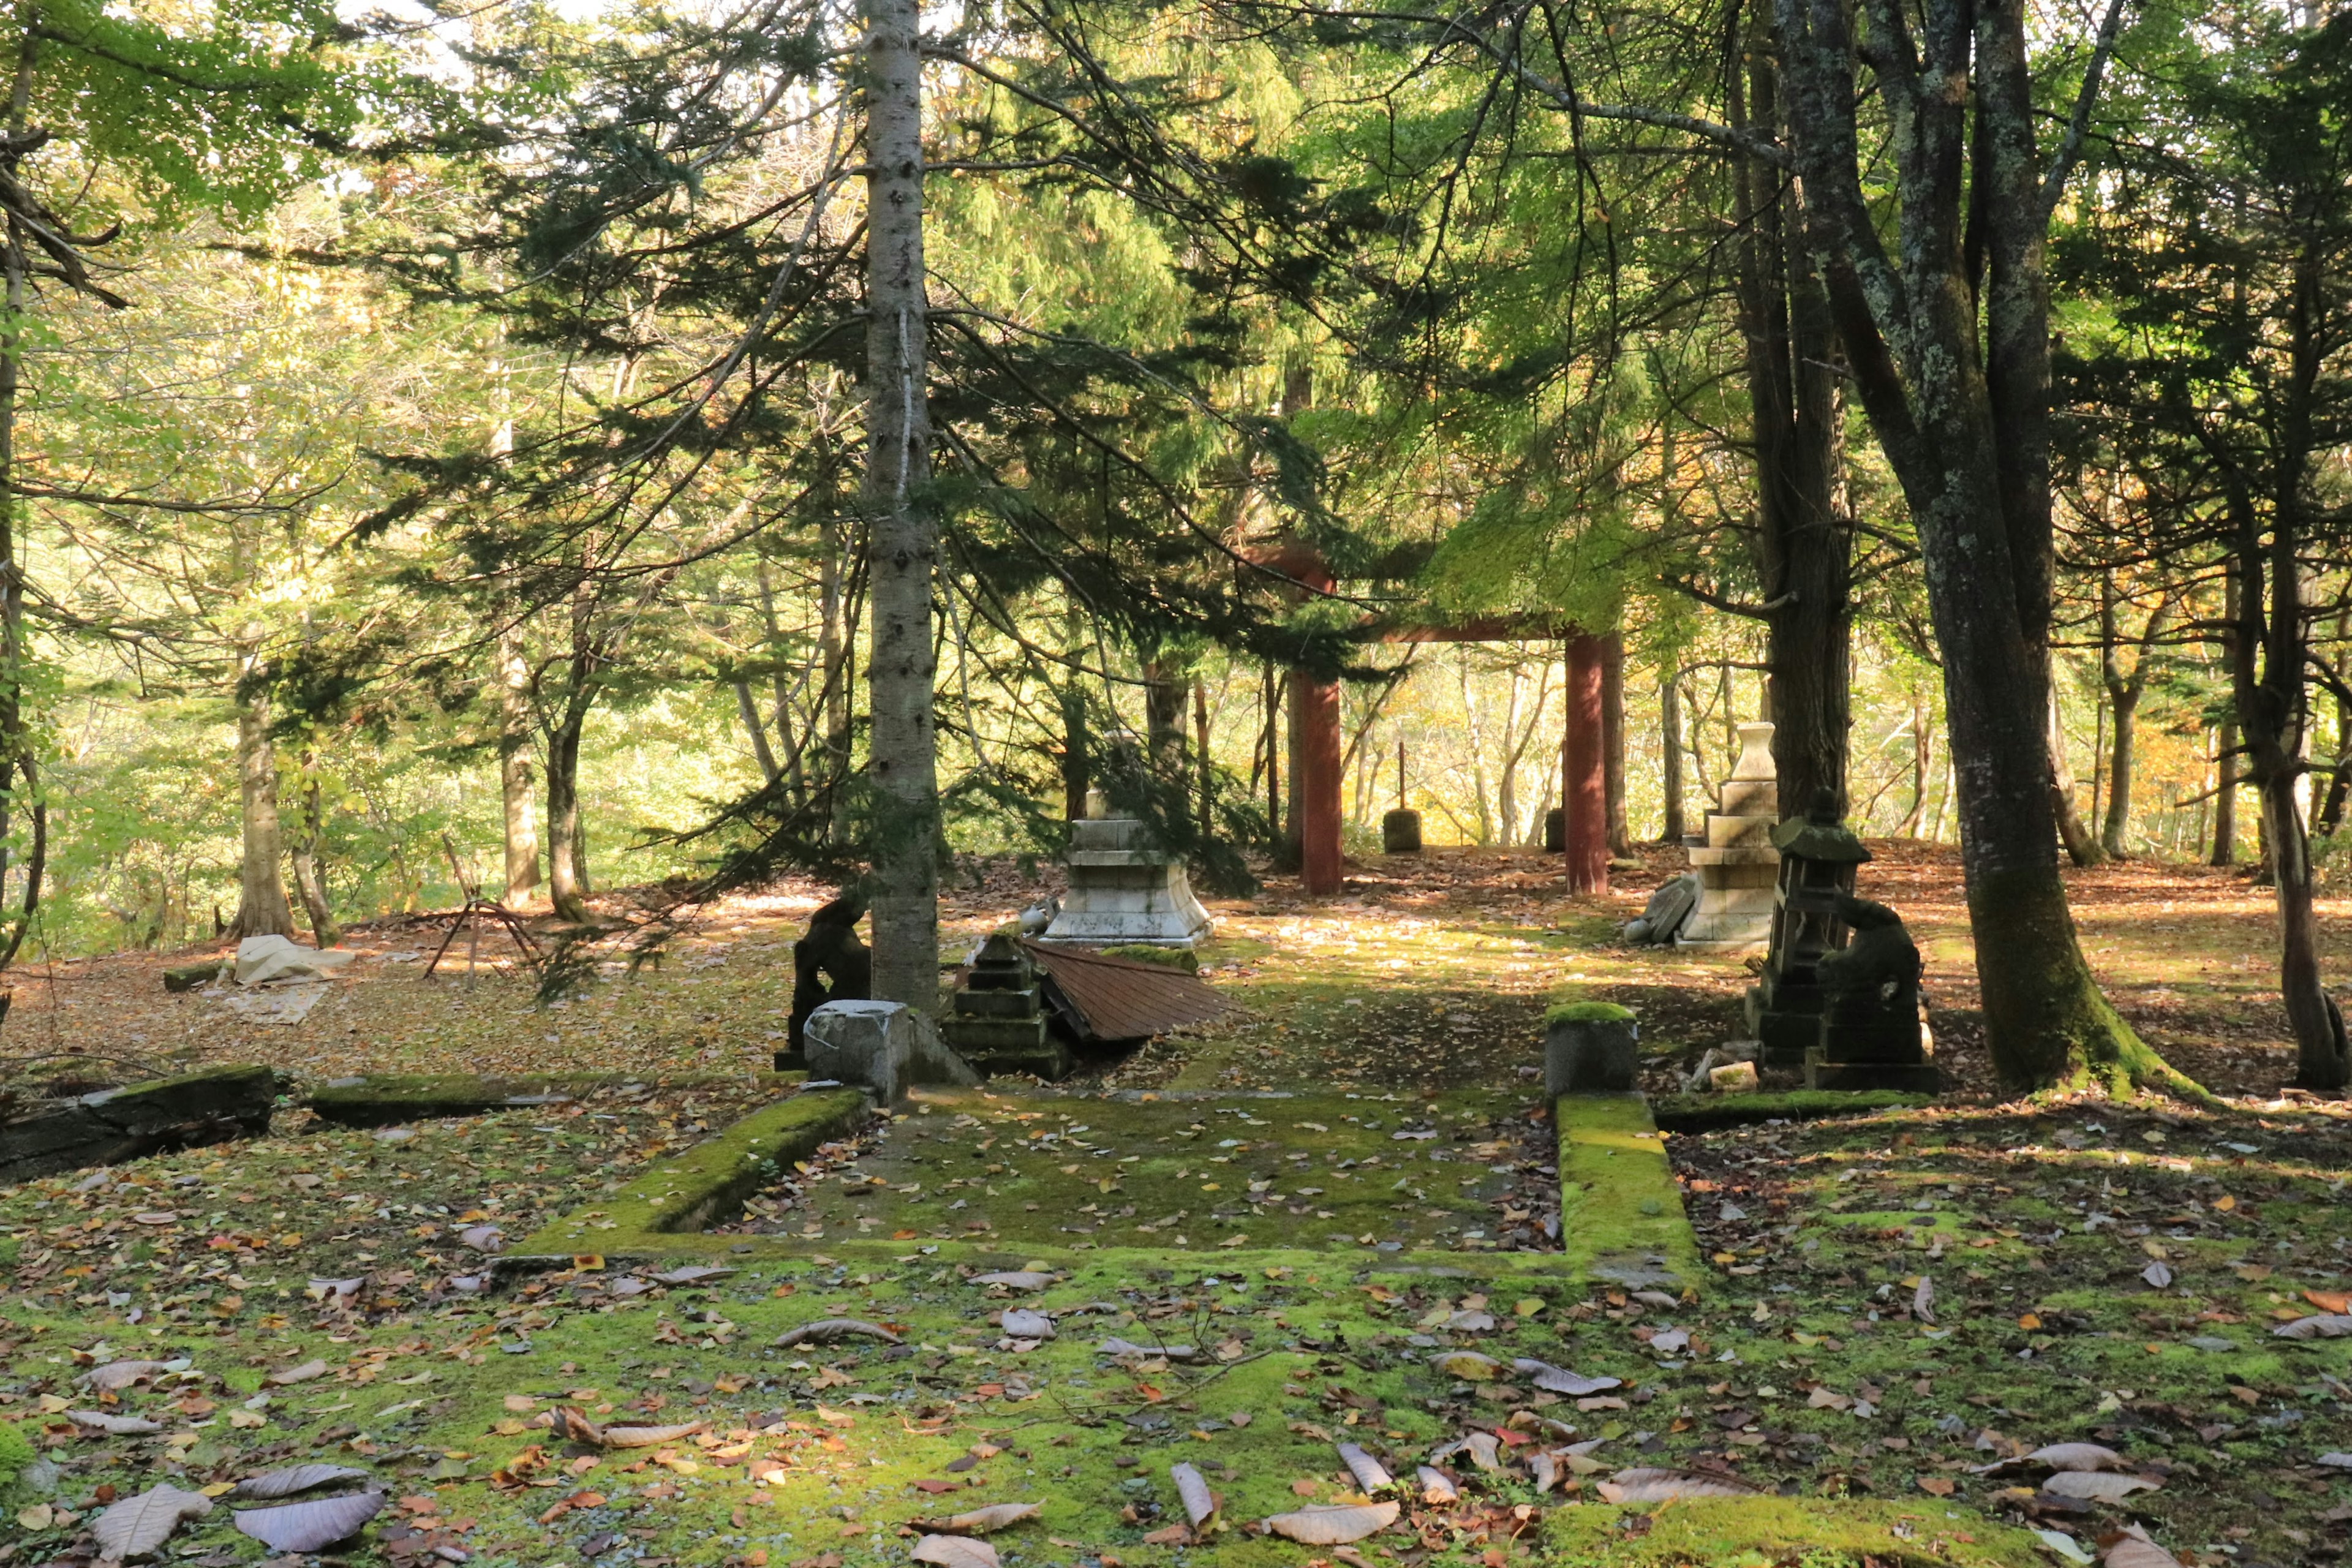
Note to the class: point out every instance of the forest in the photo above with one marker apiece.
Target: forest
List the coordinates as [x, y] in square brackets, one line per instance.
[1175, 783]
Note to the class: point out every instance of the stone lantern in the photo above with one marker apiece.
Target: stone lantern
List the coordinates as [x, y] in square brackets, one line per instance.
[1819, 856]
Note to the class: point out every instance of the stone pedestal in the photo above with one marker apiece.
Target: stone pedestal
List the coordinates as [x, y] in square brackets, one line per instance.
[1872, 1032]
[1401, 832]
[1590, 1048]
[1734, 858]
[999, 1025]
[882, 1048]
[1125, 888]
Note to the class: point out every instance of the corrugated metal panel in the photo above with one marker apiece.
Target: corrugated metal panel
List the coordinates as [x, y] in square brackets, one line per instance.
[1121, 999]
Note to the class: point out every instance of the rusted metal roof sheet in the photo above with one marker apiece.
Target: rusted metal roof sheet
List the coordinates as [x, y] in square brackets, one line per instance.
[1118, 998]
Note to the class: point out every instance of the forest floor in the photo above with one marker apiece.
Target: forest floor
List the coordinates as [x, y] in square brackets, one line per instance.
[2093, 1273]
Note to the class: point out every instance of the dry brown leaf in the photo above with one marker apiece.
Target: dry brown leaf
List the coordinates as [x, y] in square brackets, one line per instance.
[692, 1274]
[113, 1425]
[1558, 1380]
[2133, 1548]
[116, 1375]
[1437, 1488]
[2097, 1485]
[1667, 1485]
[826, 1331]
[1369, 1473]
[1200, 1502]
[1334, 1525]
[1020, 1324]
[292, 1374]
[650, 1437]
[982, 1521]
[1015, 1279]
[955, 1551]
[311, 1526]
[2077, 1456]
[138, 1526]
[295, 1478]
[2319, 1326]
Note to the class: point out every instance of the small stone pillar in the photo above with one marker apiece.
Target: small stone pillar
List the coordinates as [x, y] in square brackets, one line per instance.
[999, 1025]
[1401, 832]
[1819, 857]
[1589, 1048]
[1734, 858]
[882, 1048]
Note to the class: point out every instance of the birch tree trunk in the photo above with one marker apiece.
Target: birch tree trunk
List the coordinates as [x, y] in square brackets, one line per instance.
[902, 535]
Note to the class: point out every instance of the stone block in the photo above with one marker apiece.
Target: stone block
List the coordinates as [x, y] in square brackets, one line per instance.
[1850, 1077]
[1401, 833]
[1750, 798]
[1737, 832]
[118, 1124]
[882, 1048]
[1590, 1055]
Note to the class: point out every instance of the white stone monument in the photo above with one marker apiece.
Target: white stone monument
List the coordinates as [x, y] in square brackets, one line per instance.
[1736, 863]
[1124, 888]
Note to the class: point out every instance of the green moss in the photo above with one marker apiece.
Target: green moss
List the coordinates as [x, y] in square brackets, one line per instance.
[1621, 1213]
[1149, 952]
[701, 1186]
[1768, 1531]
[16, 1453]
[1587, 1013]
[1698, 1112]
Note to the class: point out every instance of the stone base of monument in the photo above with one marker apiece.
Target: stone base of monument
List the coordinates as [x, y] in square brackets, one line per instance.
[1401, 832]
[1590, 1048]
[882, 1047]
[1790, 1030]
[1124, 888]
[1852, 1078]
[112, 1125]
[998, 1024]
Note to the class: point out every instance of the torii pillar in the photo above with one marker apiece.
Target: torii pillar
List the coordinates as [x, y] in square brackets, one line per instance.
[1584, 768]
[1315, 720]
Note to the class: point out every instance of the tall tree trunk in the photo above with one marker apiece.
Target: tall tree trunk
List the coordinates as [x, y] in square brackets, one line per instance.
[1276, 819]
[1804, 540]
[2225, 796]
[1205, 780]
[2081, 846]
[1947, 335]
[521, 824]
[1919, 754]
[567, 881]
[1670, 736]
[902, 533]
[1612, 739]
[756, 729]
[20, 799]
[1163, 719]
[262, 909]
[1074, 750]
[310, 879]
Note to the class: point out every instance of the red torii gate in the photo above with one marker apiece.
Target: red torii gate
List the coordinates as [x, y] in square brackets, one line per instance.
[1315, 722]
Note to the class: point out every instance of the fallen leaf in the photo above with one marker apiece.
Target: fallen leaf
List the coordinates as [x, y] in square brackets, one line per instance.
[1923, 1300]
[692, 1274]
[138, 1525]
[2065, 1545]
[650, 1437]
[484, 1238]
[1468, 1365]
[1369, 1473]
[1334, 1525]
[2097, 1485]
[2158, 1275]
[1559, 1381]
[1200, 1502]
[2077, 1456]
[2330, 1301]
[1123, 1350]
[113, 1425]
[296, 1478]
[1015, 1279]
[2321, 1326]
[2334, 1461]
[310, 1526]
[1936, 1486]
[2133, 1548]
[121, 1375]
[1019, 1323]
[827, 1331]
[293, 1374]
[1437, 1488]
[955, 1551]
[982, 1521]
[1667, 1486]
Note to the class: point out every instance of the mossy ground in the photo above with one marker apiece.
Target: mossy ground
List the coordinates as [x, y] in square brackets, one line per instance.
[1428, 977]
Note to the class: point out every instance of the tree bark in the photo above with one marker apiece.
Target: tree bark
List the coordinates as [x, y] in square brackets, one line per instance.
[1583, 786]
[310, 881]
[1669, 735]
[262, 909]
[1612, 739]
[20, 799]
[1919, 752]
[1073, 751]
[567, 888]
[2124, 693]
[2081, 846]
[1804, 540]
[520, 827]
[1948, 339]
[902, 533]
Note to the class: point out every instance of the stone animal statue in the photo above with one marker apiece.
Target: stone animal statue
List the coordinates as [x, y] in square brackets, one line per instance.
[830, 952]
[1877, 969]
